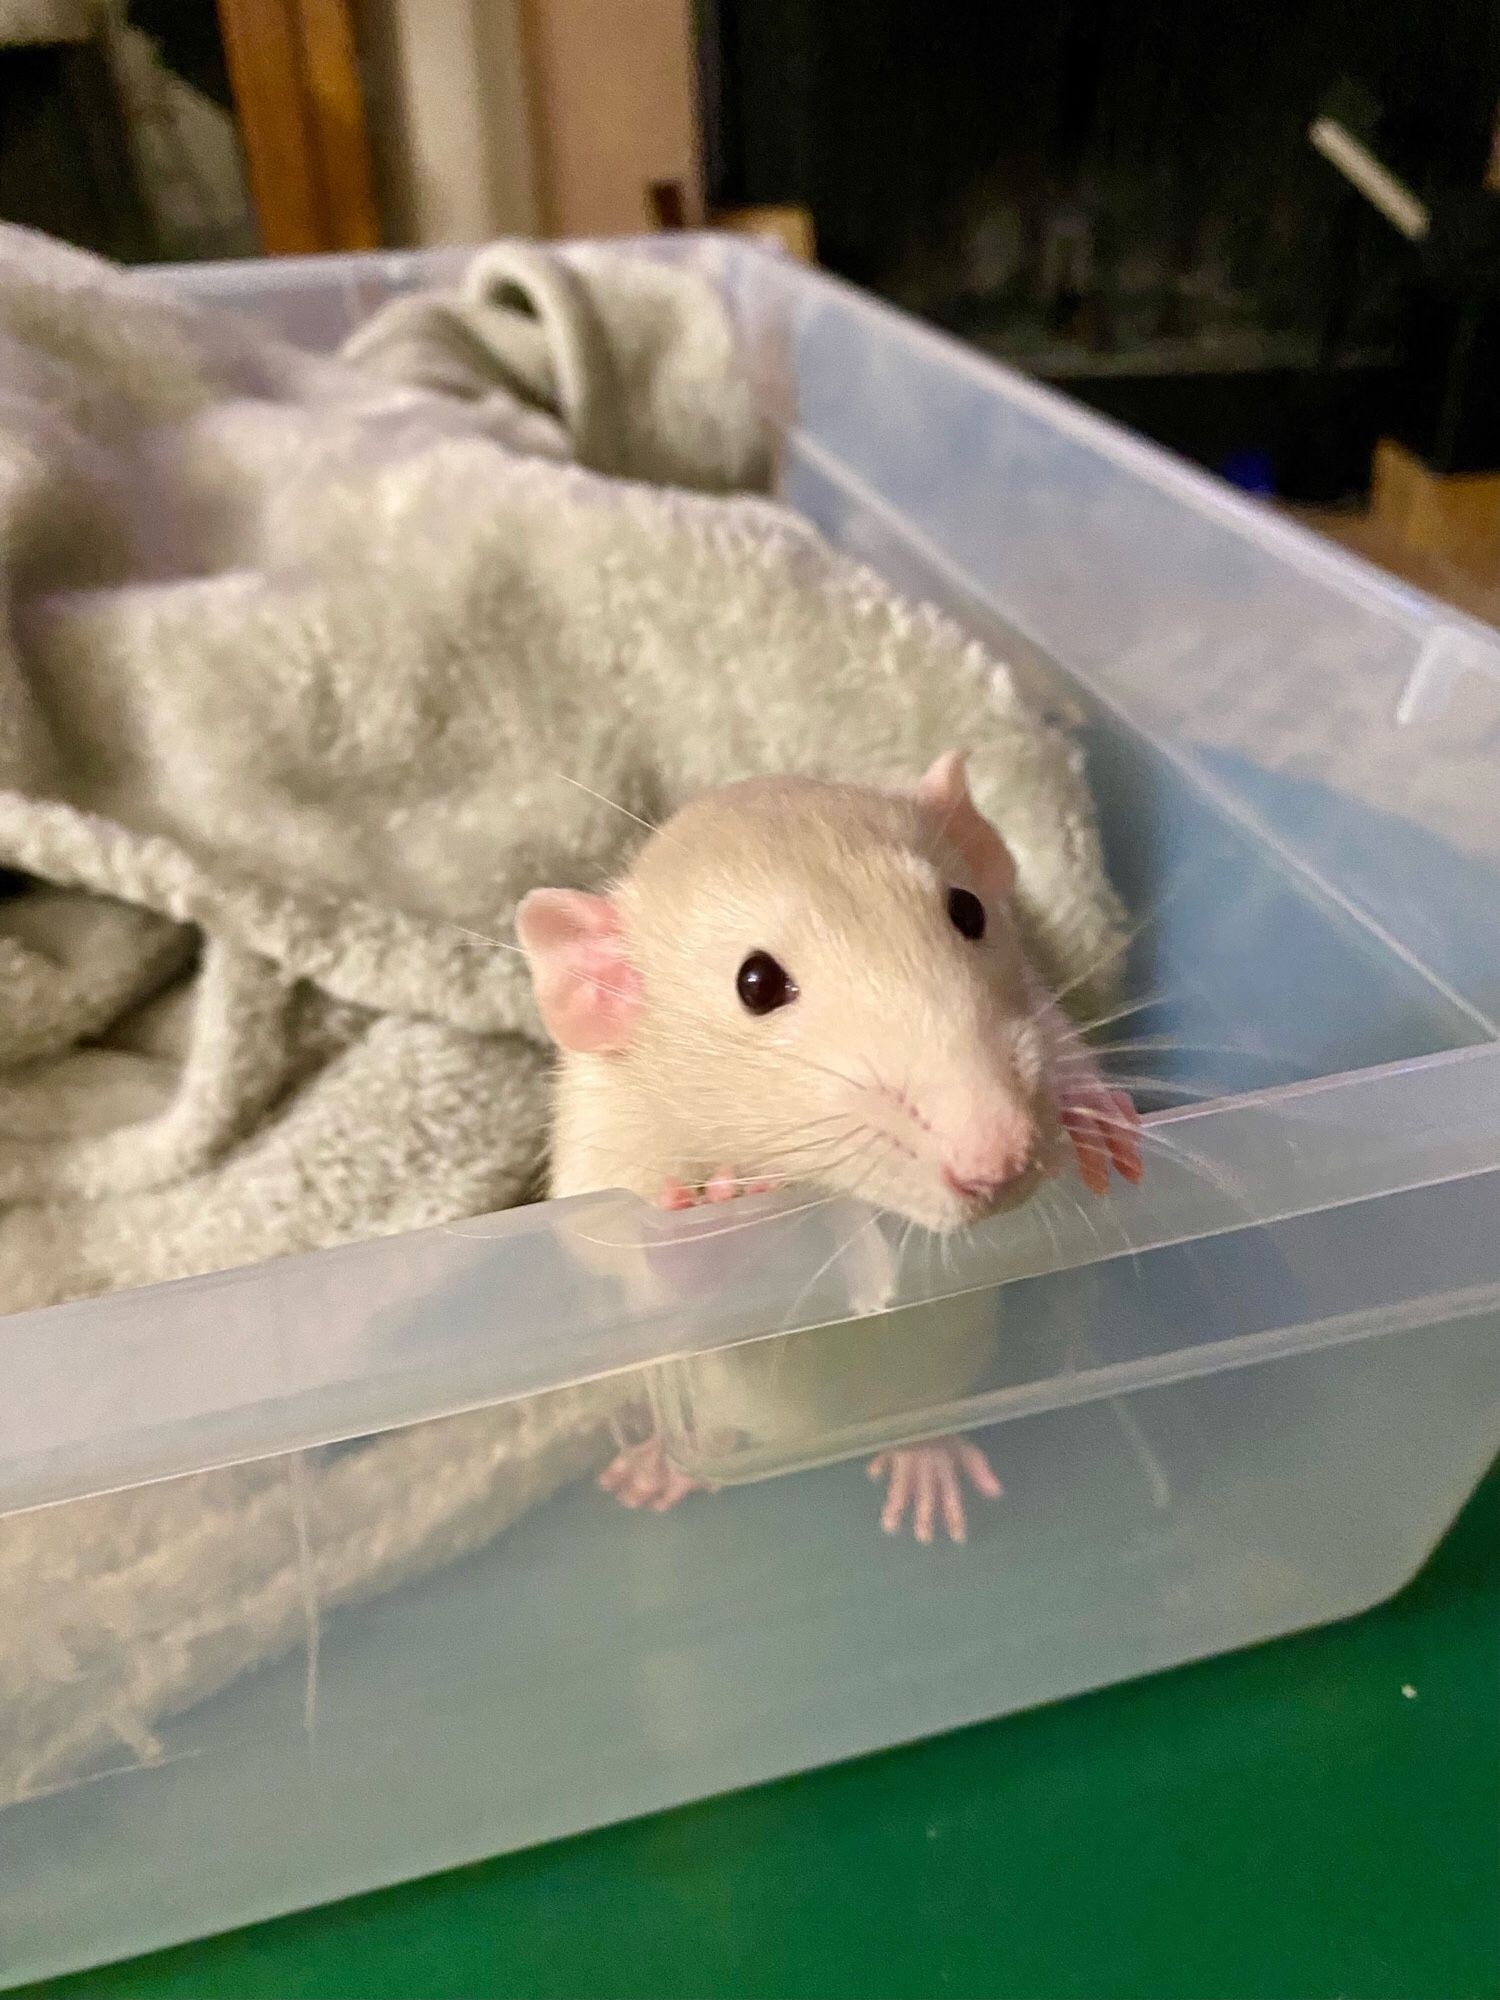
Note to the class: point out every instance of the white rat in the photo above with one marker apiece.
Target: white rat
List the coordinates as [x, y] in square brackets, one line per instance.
[800, 981]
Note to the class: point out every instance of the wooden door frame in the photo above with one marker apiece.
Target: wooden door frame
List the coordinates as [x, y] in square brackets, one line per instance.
[299, 103]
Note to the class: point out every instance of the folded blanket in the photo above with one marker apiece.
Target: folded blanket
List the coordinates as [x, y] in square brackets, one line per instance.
[309, 668]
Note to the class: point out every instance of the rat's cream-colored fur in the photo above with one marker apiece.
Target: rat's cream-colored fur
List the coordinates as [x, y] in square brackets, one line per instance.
[920, 1067]
[903, 1037]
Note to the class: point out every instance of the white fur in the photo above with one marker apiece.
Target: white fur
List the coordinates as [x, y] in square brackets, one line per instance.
[904, 1036]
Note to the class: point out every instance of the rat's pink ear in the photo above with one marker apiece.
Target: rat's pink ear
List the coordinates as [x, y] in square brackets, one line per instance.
[588, 991]
[945, 793]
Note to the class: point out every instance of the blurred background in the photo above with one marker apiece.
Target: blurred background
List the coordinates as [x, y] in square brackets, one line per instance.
[1118, 196]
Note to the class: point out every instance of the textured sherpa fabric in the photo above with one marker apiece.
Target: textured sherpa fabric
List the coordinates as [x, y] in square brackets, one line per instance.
[298, 659]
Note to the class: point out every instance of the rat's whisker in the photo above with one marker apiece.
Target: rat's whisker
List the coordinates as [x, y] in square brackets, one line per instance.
[500, 944]
[1122, 944]
[1085, 1215]
[870, 1222]
[1192, 1163]
[779, 1136]
[840, 1249]
[815, 1158]
[810, 1147]
[1050, 1193]
[1064, 1199]
[1044, 1218]
[1123, 1013]
[847, 1159]
[481, 937]
[737, 1180]
[1133, 1080]
[905, 1238]
[819, 1069]
[1172, 1044]
[613, 804]
[1143, 1129]
[706, 1235]
[481, 940]
[872, 1078]
[1090, 1215]
[811, 1154]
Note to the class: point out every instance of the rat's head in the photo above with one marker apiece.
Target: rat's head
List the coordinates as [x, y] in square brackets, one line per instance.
[815, 982]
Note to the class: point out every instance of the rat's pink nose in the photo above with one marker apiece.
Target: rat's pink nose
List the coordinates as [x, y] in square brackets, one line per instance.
[989, 1161]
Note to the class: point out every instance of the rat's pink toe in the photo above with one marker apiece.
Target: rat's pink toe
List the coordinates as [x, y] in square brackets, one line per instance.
[1103, 1126]
[1089, 1151]
[1123, 1134]
[898, 1493]
[924, 1508]
[951, 1496]
[722, 1185]
[642, 1476]
[980, 1472]
[675, 1486]
[928, 1480]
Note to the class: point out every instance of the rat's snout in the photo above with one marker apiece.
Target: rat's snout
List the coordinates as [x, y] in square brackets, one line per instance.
[988, 1153]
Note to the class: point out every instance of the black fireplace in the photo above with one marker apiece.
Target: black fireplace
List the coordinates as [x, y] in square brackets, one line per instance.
[1118, 195]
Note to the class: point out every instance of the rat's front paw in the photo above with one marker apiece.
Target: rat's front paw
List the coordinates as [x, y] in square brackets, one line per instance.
[1104, 1128]
[643, 1476]
[705, 1258]
[928, 1478]
[725, 1185]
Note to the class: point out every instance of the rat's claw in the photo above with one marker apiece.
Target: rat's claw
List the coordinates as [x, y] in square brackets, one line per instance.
[643, 1476]
[928, 1479]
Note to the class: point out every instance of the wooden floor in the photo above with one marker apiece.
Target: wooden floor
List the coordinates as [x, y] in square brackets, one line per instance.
[1438, 531]
[1459, 585]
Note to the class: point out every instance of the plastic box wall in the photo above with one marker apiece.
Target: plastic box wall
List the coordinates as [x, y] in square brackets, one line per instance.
[1248, 1398]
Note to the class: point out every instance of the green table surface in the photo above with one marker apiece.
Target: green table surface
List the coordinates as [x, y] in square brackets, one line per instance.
[1319, 1817]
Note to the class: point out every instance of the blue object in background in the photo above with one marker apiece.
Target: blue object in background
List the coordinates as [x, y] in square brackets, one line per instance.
[1250, 471]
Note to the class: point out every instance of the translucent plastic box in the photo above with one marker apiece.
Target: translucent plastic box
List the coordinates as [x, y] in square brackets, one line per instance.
[1246, 1398]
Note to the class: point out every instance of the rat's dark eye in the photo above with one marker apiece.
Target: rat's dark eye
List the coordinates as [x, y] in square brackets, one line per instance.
[966, 914]
[763, 985]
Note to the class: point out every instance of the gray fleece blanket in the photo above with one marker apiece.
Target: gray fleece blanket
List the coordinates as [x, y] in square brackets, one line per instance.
[305, 666]
[298, 659]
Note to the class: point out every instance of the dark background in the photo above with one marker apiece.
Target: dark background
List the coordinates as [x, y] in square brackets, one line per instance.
[64, 162]
[1161, 237]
